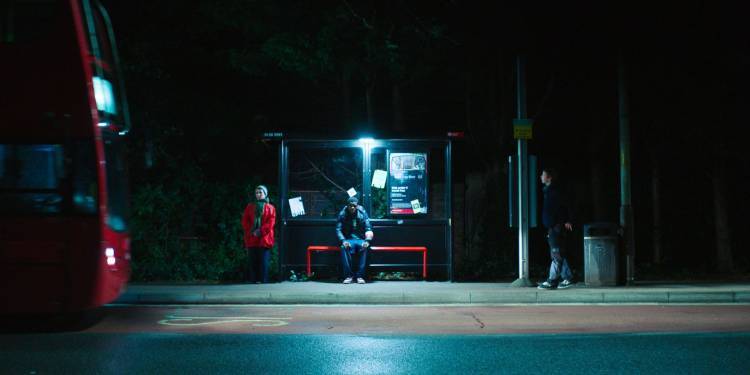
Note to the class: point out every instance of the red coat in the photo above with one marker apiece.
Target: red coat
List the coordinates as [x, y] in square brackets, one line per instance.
[267, 221]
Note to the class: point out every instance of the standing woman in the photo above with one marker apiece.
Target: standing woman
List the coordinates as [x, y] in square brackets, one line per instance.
[257, 222]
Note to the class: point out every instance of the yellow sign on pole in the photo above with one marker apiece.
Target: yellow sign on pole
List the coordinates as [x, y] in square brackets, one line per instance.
[522, 129]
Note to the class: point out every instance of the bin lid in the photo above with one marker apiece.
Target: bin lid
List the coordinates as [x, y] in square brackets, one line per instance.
[601, 229]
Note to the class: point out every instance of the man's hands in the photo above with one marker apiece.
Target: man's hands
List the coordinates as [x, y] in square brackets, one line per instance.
[347, 244]
[569, 226]
[256, 233]
[368, 238]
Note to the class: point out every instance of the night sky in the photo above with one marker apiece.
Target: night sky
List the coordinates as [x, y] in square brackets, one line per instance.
[210, 76]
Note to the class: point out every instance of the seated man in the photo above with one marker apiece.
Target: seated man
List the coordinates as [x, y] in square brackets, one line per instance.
[355, 233]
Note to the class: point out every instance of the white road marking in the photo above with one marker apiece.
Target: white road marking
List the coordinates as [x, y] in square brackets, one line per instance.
[172, 320]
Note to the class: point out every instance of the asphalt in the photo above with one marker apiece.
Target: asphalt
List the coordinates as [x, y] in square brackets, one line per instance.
[422, 292]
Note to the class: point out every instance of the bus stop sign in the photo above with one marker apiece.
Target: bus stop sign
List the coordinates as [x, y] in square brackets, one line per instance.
[522, 128]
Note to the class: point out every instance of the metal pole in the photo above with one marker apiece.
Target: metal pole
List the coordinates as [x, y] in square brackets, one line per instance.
[626, 210]
[523, 178]
[449, 207]
[281, 249]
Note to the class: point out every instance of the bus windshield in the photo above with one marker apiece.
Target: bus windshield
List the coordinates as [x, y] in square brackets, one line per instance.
[47, 178]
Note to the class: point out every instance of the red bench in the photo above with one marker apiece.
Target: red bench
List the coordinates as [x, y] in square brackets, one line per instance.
[421, 249]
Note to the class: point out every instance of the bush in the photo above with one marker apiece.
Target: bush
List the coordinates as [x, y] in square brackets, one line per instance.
[189, 229]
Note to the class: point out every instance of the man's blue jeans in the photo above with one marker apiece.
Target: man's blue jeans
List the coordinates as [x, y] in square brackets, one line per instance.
[347, 255]
[559, 267]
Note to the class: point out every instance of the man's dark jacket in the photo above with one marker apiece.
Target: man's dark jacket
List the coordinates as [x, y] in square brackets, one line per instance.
[555, 209]
[353, 226]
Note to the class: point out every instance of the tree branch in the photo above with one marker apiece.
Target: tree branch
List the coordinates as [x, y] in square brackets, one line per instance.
[324, 175]
[364, 20]
[550, 87]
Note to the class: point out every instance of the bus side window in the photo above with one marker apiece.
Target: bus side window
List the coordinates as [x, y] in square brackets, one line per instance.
[84, 178]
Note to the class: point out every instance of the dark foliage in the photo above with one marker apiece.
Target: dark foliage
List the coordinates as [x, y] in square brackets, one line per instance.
[206, 78]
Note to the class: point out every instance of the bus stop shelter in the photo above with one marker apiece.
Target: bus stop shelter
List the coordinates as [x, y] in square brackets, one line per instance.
[403, 184]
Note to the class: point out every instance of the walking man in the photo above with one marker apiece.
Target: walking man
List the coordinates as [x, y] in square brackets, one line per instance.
[556, 219]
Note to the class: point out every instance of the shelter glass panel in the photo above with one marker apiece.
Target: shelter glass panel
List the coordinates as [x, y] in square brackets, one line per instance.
[321, 179]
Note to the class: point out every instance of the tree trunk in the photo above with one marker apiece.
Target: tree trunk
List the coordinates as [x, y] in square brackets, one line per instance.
[596, 170]
[398, 109]
[473, 122]
[473, 203]
[506, 97]
[346, 96]
[597, 191]
[469, 103]
[493, 103]
[656, 210]
[458, 227]
[370, 102]
[721, 217]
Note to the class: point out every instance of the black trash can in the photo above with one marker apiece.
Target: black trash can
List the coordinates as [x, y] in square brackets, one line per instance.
[600, 254]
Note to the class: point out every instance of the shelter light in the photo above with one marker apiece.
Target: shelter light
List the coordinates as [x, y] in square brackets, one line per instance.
[366, 141]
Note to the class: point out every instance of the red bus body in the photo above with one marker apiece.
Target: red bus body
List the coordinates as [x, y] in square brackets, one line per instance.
[64, 240]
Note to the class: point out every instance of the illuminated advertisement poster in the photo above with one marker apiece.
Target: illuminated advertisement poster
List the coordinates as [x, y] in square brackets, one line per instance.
[407, 181]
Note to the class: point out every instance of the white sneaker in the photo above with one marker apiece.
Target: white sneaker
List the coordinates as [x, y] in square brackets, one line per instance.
[360, 280]
[565, 284]
[546, 285]
[348, 280]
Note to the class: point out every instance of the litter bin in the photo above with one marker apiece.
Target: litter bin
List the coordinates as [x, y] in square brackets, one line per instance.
[600, 254]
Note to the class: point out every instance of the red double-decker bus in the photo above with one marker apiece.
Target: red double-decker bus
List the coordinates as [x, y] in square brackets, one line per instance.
[64, 240]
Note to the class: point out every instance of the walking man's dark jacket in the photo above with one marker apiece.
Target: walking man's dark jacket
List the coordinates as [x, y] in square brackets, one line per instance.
[554, 209]
[354, 226]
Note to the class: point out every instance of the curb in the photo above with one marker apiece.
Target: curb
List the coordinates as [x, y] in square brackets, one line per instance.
[427, 294]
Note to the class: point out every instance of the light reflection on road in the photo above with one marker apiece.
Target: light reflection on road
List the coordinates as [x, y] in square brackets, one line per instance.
[370, 355]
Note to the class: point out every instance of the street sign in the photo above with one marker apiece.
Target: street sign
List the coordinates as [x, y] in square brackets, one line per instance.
[273, 134]
[522, 128]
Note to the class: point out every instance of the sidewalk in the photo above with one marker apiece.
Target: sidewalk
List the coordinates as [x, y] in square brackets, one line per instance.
[420, 292]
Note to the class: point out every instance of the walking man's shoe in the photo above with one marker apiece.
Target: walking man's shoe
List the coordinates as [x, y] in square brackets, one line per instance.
[360, 280]
[348, 280]
[564, 284]
[546, 285]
